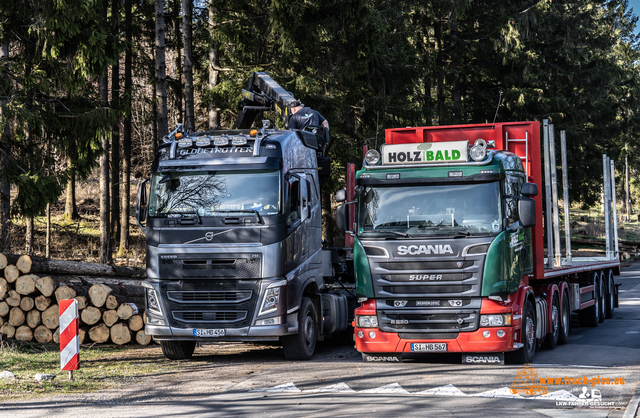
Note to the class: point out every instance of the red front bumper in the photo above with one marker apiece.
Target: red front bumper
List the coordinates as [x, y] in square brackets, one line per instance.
[466, 342]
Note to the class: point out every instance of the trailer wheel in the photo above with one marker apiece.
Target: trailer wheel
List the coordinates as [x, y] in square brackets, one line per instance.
[302, 345]
[551, 340]
[565, 324]
[528, 330]
[590, 317]
[178, 350]
[602, 301]
[610, 298]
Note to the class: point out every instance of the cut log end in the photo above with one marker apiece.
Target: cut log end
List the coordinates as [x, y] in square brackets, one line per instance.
[50, 317]
[142, 338]
[43, 334]
[120, 334]
[24, 333]
[46, 285]
[24, 264]
[11, 273]
[90, 315]
[99, 334]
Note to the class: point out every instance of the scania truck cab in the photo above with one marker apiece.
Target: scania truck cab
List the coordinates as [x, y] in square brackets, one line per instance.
[448, 250]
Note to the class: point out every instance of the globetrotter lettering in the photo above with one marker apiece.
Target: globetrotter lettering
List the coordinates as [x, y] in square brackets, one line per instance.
[424, 249]
[216, 150]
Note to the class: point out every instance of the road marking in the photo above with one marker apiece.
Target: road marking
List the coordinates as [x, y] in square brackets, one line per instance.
[287, 387]
[392, 388]
[499, 393]
[559, 395]
[340, 387]
[447, 390]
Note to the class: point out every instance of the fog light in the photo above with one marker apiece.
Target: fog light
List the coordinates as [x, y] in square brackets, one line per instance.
[269, 321]
[155, 321]
[500, 333]
[372, 334]
[360, 334]
[486, 334]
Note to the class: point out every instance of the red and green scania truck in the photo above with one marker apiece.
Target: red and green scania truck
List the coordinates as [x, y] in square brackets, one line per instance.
[447, 231]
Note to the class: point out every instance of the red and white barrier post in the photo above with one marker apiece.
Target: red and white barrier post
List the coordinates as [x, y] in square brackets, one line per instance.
[69, 343]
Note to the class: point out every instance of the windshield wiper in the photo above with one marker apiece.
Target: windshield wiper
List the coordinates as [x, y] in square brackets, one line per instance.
[402, 234]
[242, 211]
[193, 212]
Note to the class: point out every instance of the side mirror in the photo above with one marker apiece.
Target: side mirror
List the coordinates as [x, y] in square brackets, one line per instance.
[341, 218]
[529, 189]
[141, 205]
[341, 195]
[527, 211]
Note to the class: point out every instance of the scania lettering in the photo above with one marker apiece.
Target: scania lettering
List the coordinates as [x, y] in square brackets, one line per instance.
[424, 249]
[448, 219]
[233, 236]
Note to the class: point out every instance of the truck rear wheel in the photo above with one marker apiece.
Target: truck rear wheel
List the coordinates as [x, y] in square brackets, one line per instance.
[565, 323]
[527, 351]
[302, 345]
[610, 292]
[590, 317]
[551, 340]
[178, 350]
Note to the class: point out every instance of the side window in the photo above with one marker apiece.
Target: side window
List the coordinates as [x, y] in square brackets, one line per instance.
[512, 187]
[293, 200]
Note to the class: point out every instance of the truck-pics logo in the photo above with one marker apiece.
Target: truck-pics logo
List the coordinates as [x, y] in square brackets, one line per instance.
[424, 249]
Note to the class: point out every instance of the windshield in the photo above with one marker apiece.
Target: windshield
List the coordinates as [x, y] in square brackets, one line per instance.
[430, 210]
[215, 193]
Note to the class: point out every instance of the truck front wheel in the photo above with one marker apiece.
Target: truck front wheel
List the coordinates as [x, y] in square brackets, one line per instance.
[178, 350]
[527, 351]
[302, 345]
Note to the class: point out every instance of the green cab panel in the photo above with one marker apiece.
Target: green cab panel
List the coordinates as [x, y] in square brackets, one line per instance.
[509, 258]
[362, 270]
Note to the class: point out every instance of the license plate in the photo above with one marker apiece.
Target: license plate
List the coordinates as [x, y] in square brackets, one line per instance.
[429, 347]
[209, 332]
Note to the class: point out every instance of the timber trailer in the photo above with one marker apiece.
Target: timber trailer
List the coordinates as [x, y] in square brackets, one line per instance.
[448, 246]
[234, 236]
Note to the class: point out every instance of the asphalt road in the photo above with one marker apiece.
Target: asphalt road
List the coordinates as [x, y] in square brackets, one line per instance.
[336, 382]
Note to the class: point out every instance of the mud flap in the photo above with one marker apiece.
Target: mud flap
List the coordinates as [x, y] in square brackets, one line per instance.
[483, 358]
[382, 358]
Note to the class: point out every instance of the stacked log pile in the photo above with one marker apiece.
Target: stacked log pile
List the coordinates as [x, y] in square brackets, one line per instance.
[110, 307]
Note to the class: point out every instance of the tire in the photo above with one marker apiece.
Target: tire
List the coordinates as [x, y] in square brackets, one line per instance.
[528, 330]
[610, 295]
[602, 296]
[590, 317]
[565, 320]
[551, 339]
[302, 345]
[178, 350]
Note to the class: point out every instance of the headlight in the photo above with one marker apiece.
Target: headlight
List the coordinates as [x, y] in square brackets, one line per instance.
[271, 301]
[153, 304]
[495, 320]
[367, 321]
[372, 157]
[479, 150]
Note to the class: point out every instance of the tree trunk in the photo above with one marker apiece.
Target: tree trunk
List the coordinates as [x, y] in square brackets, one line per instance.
[161, 72]
[5, 187]
[43, 334]
[214, 114]
[28, 248]
[50, 317]
[188, 66]
[178, 91]
[115, 135]
[53, 266]
[24, 333]
[126, 140]
[120, 334]
[99, 334]
[27, 303]
[90, 315]
[455, 69]
[34, 318]
[439, 66]
[105, 210]
[70, 207]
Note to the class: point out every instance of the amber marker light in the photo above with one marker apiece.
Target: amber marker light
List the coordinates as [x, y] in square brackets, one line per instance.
[253, 133]
[178, 135]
